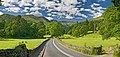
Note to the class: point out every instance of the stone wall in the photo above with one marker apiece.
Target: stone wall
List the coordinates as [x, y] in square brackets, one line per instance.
[22, 51]
[19, 51]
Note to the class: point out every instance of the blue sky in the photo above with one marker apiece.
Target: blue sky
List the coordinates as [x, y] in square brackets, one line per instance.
[64, 10]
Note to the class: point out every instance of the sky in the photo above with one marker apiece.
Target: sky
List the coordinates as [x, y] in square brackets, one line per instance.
[60, 10]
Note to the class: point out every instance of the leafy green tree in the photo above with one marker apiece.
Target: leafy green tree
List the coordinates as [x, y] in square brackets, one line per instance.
[116, 31]
[41, 29]
[76, 30]
[2, 24]
[56, 29]
[80, 29]
[18, 27]
[116, 3]
[110, 23]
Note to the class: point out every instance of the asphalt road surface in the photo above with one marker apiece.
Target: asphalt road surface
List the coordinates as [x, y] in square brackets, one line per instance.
[54, 49]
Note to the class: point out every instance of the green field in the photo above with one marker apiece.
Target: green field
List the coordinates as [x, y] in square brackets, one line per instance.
[12, 43]
[91, 40]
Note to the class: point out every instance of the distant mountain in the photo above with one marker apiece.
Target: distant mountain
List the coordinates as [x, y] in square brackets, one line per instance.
[29, 18]
[32, 18]
[60, 10]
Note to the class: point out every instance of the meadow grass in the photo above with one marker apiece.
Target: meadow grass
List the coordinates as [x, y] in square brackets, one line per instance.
[12, 43]
[92, 40]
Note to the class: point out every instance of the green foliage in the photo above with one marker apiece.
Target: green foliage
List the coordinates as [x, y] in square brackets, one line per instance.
[31, 18]
[17, 26]
[116, 2]
[79, 29]
[2, 23]
[65, 36]
[110, 27]
[56, 29]
[117, 52]
[116, 31]
[41, 29]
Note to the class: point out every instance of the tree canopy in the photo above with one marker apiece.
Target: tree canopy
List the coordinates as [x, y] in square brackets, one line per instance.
[116, 3]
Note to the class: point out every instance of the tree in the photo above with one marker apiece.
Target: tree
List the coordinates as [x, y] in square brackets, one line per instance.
[56, 29]
[2, 23]
[110, 23]
[76, 30]
[41, 29]
[18, 27]
[80, 29]
[116, 31]
[116, 3]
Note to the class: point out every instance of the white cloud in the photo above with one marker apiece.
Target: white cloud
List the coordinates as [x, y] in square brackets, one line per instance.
[65, 9]
[28, 14]
[49, 18]
[7, 4]
[101, 0]
[24, 11]
[36, 13]
[81, 9]
[99, 8]
[10, 1]
[13, 9]
[98, 14]
[1, 13]
[84, 0]
[69, 17]
[69, 1]
[95, 4]
[89, 10]
[49, 14]
[35, 9]
[24, 3]
[82, 15]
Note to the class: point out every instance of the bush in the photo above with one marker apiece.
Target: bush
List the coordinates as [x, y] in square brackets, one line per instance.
[66, 37]
[97, 50]
[117, 52]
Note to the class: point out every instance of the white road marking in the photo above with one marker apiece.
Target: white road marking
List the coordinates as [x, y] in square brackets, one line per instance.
[61, 50]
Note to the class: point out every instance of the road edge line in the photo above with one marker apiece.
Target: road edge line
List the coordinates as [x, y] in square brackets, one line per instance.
[61, 50]
[76, 51]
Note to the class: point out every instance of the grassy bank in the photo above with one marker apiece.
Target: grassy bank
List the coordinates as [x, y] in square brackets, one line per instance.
[91, 40]
[11, 43]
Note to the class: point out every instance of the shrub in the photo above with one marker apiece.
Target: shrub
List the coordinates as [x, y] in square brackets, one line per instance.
[117, 52]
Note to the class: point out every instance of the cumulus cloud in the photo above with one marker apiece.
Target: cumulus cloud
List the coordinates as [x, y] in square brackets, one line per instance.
[84, 0]
[24, 3]
[98, 14]
[101, 0]
[36, 13]
[49, 18]
[69, 17]
[35, 9]
[66, 9]
[82, 15]
[69, 1]
[13, 9]
[1, 13]
[7, 4]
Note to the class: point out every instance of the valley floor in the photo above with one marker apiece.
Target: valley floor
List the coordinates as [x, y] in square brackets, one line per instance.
[12, 43]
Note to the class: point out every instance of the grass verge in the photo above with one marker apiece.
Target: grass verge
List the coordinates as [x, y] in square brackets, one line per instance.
[12, 43]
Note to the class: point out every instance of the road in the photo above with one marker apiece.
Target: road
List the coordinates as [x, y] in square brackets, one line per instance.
[54, 49]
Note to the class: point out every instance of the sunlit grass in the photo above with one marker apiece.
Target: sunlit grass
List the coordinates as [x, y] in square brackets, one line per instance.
[92, 40]
[12, 43]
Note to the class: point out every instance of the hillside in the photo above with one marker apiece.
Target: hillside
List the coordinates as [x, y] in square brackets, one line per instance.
[32, 18]
[29, 18]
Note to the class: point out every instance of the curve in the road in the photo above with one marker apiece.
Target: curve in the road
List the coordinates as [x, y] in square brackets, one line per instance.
[61, 50]
[55, 49]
